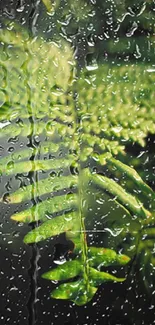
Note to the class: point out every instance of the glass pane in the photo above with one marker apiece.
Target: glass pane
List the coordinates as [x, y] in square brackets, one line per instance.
[77, 172]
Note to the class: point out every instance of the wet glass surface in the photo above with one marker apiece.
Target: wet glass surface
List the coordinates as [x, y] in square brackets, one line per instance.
[77, 170]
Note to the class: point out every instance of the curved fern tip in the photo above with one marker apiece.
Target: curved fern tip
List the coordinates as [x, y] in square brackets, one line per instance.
[18, 218]
[120, 280]
[45, 276]
[32, 238]
[123, 259]
[26, 240]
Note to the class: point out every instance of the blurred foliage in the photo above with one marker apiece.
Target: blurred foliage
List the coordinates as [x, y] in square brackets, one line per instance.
[124, 29]
[102, 29]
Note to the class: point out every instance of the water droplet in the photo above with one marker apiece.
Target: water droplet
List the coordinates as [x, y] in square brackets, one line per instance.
[114, 232]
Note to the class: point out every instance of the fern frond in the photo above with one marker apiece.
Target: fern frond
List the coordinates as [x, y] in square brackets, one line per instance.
[118, 103]
[77, 147]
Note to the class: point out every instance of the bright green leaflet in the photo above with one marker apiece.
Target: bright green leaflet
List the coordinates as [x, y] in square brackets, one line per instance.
[50, 5]
[40, 98]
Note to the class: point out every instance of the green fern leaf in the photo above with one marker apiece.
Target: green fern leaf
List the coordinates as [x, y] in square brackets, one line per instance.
[37, 102]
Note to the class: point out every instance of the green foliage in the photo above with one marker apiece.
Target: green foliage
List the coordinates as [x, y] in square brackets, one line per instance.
[118, 104]
[85, 125]
[32, 63]
[117, 29]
